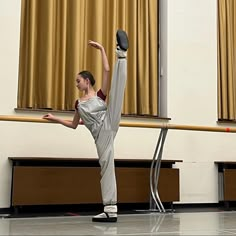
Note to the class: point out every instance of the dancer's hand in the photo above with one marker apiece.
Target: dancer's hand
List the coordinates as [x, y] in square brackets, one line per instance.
[95, 44]
[49, 116]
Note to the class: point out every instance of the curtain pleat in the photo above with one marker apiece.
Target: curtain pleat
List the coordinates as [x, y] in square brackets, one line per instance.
[226, 60]
[54, 48]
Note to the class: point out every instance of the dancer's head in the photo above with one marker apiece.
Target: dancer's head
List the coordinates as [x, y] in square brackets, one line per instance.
[84, 79]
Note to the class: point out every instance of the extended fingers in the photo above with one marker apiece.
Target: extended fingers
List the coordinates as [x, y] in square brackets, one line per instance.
[94, 44]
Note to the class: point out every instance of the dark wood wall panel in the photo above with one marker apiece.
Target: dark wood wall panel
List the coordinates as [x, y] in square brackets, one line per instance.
[42, 185]
[230, 185]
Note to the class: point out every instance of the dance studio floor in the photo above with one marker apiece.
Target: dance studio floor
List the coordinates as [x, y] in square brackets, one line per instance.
[186, 223]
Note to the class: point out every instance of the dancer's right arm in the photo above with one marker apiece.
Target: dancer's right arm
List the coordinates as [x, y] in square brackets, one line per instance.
[106, 66]
[70, 124]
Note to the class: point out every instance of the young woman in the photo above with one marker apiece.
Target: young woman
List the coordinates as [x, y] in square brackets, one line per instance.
[102, 120]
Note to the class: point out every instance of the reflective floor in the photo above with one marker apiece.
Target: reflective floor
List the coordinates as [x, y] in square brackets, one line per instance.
[190, 223]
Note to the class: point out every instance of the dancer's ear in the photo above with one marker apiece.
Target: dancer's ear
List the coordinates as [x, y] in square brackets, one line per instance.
[88, 81]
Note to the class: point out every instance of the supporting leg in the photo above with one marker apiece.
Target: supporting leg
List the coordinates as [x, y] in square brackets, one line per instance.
[105, 149]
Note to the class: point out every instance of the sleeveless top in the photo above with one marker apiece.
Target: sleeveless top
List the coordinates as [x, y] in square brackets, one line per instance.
[92, 112]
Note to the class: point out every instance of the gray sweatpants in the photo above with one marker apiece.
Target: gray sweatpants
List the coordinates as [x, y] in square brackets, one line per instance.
[105, 140]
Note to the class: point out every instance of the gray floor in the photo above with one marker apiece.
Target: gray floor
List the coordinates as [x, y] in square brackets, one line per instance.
[191, 223]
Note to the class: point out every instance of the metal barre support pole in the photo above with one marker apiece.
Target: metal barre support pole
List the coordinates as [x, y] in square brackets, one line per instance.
[155, 171]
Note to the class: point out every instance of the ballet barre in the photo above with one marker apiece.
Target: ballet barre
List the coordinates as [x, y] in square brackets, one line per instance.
[132, 124]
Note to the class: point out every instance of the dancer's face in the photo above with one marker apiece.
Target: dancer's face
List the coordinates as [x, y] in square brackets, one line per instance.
[81, 83]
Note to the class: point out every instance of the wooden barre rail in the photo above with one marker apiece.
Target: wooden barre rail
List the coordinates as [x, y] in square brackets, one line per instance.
[133, 124]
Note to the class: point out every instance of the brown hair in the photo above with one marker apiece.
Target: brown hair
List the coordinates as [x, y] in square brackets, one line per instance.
[87, 75]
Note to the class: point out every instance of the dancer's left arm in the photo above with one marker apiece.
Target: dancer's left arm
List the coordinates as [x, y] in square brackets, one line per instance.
[106, 66]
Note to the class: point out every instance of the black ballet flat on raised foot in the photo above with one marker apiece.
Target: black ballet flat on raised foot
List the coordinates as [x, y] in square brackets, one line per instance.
[122, 40]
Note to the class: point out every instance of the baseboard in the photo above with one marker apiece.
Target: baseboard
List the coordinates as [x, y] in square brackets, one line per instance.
[5, 210]
[197, 205]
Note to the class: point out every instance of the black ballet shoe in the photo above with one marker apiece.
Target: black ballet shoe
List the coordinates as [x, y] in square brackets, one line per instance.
[109, 214]
[105, 217]
[122, 40]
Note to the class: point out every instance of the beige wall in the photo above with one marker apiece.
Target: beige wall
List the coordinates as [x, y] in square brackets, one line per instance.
[190, 75]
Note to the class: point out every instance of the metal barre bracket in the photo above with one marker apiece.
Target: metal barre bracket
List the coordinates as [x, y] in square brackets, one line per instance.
[155, 201]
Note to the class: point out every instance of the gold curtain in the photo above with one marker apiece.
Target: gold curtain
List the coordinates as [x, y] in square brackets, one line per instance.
[226, 60]
[53, 49]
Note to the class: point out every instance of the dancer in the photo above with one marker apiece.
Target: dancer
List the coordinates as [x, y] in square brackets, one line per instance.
[102, 120]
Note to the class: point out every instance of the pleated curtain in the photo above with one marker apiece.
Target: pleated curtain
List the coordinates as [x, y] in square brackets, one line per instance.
[227, 60]
[54, 48]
